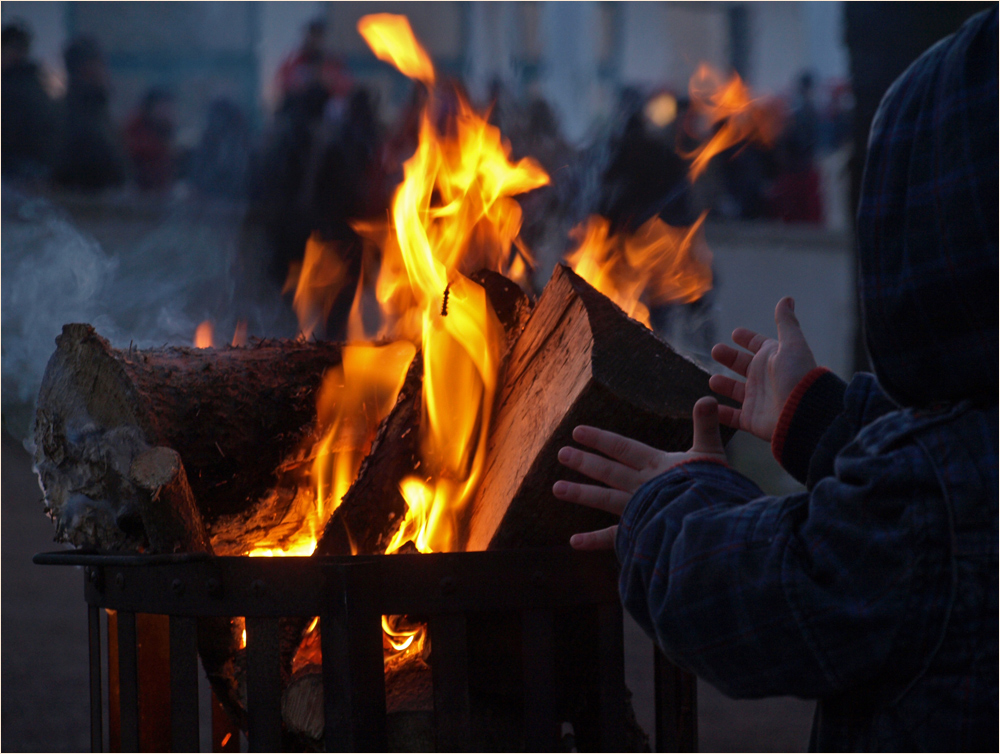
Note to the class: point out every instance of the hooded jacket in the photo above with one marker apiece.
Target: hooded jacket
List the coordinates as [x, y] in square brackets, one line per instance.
[874, 592]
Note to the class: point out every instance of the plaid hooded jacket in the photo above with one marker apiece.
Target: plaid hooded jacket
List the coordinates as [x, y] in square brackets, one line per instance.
[874, 592]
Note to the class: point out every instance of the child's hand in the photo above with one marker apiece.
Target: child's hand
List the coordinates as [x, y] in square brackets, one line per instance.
[629, 465]
[772, 369]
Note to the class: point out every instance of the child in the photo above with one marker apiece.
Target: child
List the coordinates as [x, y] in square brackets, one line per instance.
[874, 592]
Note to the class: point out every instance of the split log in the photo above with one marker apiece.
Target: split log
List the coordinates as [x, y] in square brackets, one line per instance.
[233, 415]
[580, 360]
[373, 507]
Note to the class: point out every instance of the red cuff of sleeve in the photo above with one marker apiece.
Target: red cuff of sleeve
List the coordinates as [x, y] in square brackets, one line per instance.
[789, 409]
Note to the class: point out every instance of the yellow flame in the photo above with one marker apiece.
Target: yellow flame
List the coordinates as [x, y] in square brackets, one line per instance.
[658, 264]
[204, 335]
[454, 212]
[391, 39]
[730, 104]
[353, 398]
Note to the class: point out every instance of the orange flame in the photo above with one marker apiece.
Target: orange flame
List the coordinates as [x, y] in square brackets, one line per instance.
[204, 335]
[728, 103]
[240, 334]
[317, 280]
[658, 264]
[391, 39]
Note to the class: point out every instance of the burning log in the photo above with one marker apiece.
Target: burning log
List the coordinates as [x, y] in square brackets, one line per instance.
[373, 507]
[580, 360]
[100, 408]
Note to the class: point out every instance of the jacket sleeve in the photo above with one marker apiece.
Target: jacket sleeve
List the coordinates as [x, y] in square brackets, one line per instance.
[802, 595]
[822, 415]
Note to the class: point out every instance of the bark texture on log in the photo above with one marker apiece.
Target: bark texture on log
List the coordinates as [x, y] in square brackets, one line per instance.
[233, 415]
[580, 360]
[373, 507]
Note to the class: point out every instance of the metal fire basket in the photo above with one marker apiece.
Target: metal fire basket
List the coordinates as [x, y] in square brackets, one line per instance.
[350, 594]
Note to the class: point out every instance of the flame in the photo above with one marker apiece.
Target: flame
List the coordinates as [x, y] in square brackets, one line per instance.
[204, 335]
[454, 211]
[240, 334]
[353, 398]
[391, 39]
[730, 104]
[658, 264]
[317, 280]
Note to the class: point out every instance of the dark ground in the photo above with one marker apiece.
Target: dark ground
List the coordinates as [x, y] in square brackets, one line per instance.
[44, 658]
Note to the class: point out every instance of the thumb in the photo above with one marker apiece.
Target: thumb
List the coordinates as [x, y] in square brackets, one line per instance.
[707, 438]
[788, 324]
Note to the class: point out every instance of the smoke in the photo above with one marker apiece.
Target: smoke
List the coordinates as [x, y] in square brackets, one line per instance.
[168, 271]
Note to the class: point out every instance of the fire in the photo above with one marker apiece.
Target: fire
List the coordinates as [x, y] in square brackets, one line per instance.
[353, 398]
[240, 334]
[658, 264]
[454, 212]
[317, 281]
[391, 39]
[728, 103]
[204, 335]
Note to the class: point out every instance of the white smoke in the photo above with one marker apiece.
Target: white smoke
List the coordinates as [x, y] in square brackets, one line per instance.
[152, 291]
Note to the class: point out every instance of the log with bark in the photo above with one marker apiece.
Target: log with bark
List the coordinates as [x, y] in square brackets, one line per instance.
[232, 414]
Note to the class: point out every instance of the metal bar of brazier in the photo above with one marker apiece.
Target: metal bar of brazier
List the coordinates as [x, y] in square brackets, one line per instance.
[350, 594]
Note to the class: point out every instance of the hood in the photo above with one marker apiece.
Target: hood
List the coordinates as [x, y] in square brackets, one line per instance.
[927, 225]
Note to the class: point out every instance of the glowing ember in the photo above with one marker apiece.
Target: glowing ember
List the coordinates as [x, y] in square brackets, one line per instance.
[659, 264]
[728, 105]
[204, 334]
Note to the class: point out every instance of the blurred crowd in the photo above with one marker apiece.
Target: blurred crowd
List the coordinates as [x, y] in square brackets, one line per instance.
[328, 157]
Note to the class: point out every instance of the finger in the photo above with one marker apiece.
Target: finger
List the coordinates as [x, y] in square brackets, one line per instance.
[624, 449]
[707, 438]
[788, 324]
[602, 539]
[601, 469]
[728, 387]
[738, 361]
[749, 339]
[729, 416]
[602, 498]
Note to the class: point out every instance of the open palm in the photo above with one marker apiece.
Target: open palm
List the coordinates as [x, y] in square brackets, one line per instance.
[772, 369]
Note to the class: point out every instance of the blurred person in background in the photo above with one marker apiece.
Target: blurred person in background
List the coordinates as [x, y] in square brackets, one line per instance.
[797, 189]
[149, 140]
[219, 164]
[28, 113]
[312, 69]
[90, 157]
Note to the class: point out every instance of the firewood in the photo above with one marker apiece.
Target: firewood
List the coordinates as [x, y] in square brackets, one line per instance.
[169, 514]
[373, 507]
[579, 360]
[233, 415]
